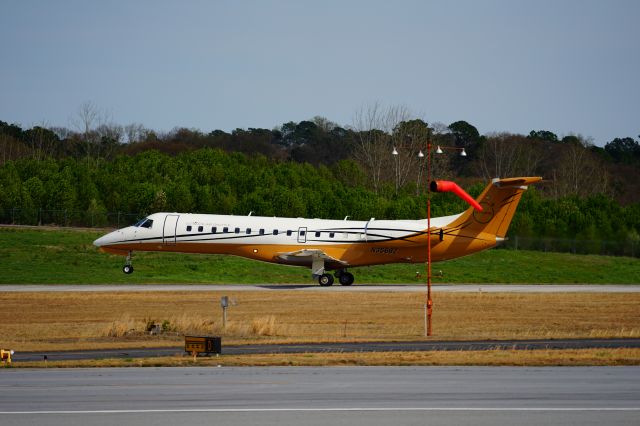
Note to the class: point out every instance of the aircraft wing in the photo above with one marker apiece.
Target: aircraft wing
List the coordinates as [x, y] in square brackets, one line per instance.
[311, 257]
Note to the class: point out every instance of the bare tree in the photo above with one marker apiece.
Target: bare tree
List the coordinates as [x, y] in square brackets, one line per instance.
[135, 132]
[87, 118]
[507, 155]
[374, 126]
[578, 171]
[531, 157]
[61, 132]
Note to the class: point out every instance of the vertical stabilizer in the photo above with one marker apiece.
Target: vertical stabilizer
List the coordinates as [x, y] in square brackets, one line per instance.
[499, 201]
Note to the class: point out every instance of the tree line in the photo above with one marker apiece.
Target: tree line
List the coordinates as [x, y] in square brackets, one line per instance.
[571, 165]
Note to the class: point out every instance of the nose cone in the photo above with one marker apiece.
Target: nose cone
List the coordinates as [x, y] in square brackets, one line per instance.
[110, 238]
[100, 241]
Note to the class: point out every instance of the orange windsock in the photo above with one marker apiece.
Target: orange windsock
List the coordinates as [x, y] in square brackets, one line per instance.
[448, 186]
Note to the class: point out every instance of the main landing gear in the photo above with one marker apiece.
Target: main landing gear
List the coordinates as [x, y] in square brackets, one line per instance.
[128, 267]
[325, 280]
[344, 278]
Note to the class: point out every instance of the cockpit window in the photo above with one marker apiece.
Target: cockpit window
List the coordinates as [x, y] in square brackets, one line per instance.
[144, 223]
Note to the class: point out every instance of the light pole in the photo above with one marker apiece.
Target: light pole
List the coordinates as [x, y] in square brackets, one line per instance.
[439, 150]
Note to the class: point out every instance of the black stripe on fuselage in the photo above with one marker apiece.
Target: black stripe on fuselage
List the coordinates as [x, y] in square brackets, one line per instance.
[232, 236]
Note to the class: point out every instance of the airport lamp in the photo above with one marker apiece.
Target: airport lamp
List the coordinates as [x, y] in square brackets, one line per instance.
[439, 150]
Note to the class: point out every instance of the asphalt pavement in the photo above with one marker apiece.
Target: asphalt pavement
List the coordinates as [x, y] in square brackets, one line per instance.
[321, 396]
[344, 347]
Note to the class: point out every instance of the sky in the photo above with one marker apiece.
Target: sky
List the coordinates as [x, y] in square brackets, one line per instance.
[571, 67]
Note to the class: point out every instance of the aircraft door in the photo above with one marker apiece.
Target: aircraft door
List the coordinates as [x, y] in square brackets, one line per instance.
[169, 231]
[302, 235]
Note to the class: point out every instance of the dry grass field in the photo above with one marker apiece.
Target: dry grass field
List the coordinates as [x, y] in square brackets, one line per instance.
[57, 321]
[535, 358]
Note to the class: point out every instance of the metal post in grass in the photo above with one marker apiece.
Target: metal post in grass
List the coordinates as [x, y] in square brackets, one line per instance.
[224, 303]
[426, 320]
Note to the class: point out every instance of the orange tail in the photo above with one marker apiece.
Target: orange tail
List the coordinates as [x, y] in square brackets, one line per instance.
[499, 201]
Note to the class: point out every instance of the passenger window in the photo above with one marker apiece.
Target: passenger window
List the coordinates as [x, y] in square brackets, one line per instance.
[189, 228]
[237, 230]
[317, 234]
[331, 234]
[289, 233]
[248, 231]
[261, 231]
[200, 228]
[225, 229]
[303, 233]
[275, 232]
[213, 230]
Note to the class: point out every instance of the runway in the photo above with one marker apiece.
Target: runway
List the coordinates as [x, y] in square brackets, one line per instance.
[320, 396]
[396, 288]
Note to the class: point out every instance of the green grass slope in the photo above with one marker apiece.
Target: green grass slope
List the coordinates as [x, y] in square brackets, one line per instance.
[45, 256]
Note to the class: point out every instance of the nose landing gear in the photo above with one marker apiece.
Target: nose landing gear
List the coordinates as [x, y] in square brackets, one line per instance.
[128, 267]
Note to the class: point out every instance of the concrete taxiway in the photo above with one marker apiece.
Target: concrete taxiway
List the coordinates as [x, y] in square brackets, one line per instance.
[321, 396]
[461, 288]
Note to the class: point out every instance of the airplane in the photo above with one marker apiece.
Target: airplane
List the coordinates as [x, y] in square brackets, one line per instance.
[327, 245]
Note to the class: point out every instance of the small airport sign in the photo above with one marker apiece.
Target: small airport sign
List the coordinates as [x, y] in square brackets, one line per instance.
[203, 344]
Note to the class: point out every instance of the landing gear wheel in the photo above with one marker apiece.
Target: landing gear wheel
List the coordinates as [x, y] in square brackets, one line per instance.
[346, 278]
[325, 280]
[128, 267]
